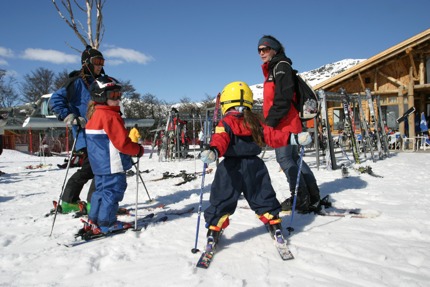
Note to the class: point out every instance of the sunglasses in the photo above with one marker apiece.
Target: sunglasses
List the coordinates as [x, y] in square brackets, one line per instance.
[114, 95]
[97, 61]
[264, 50]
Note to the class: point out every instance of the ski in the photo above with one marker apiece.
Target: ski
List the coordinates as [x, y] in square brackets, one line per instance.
[187, 178]
[327, 139]
[131, 172]
[351, 213]
[37, 166]
[367, 141]
[168, 174]
[142, 223]
[374, 123]
[405, 115]
[382, 125]
[281, 245]
[348, 125]
[208, 255]
[179, 212]
[368, 170]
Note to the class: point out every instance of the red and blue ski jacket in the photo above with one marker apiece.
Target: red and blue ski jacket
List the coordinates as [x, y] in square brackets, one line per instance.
[109, 147]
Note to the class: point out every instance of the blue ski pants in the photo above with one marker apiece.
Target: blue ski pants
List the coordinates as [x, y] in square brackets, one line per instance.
[105, 200]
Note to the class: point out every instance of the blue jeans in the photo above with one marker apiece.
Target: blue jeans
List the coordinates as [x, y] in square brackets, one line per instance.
[288, 158]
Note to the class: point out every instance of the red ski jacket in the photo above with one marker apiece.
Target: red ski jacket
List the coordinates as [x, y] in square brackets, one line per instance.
[278, 108]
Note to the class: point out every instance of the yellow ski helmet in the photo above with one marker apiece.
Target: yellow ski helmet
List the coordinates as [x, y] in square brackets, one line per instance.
[236, 94]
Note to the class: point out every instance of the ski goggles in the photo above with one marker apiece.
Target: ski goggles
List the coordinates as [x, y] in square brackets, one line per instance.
[113, 95]
[264, 50]
[97, 61]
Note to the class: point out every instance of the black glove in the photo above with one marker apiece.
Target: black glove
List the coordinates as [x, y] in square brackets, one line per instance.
[141, 151]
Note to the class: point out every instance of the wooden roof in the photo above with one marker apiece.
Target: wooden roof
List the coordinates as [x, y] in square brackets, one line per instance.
[375, 60]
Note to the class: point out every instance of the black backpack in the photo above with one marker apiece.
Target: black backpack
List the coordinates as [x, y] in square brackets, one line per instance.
[70, 87]
[308, 104]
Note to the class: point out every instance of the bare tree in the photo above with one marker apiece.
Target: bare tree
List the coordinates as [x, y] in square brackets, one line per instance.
[39, 83]
[61, 79]
[86, 35]
[7, 92]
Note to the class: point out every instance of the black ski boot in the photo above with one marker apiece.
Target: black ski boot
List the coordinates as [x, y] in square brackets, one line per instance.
[314, 194]
[287, 204]
[303, 201]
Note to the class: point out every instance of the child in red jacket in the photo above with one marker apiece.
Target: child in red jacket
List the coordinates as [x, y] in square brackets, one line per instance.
[238, 138]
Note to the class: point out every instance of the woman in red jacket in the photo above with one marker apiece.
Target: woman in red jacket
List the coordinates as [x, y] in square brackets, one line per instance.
[280, 114]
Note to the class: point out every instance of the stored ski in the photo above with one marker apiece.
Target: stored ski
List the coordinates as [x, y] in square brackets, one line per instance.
[351, 213]
[187, 178]
[368, 170]
[179, 212]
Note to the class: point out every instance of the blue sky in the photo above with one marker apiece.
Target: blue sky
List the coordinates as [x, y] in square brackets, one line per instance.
[175, 49]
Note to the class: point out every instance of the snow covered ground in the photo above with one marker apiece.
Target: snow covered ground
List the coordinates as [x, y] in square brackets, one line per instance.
[389, 249]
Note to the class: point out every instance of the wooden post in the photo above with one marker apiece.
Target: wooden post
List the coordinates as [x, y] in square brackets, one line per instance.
[411, 120]
[30, 141]
[401, 110]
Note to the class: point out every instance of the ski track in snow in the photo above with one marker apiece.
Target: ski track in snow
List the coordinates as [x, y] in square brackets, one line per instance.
[390, 249]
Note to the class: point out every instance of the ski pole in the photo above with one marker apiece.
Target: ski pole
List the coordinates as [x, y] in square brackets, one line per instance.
[141, 179]
[195, 249]
[302, 152]
[137, 194]
[64, 182]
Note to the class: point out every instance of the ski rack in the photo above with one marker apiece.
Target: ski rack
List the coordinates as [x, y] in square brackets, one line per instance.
[330, 156]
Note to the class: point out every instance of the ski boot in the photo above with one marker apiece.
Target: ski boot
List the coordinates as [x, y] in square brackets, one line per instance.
[287, 204]
[83, 209]
[87, 230]
[303, 201]
[213, 235]
[325, 202]
[273, 225]
[67, 207]
[56, 206]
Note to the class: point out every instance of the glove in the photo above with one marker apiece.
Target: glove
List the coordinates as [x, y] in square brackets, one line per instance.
[141, 151]
[209, 156]
[72, 119]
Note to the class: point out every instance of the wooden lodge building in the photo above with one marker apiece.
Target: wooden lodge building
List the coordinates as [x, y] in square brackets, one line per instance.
[400, 75]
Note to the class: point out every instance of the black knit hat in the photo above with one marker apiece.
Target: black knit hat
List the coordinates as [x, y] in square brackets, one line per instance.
[270, 42]
[88, 53]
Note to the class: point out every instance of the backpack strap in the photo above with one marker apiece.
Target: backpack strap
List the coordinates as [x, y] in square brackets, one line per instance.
[296, 105]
